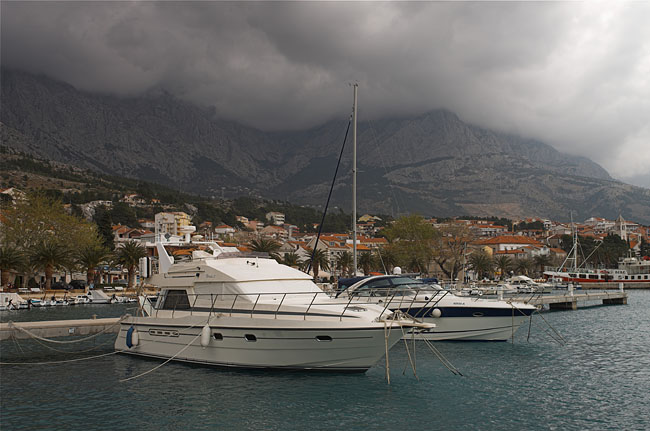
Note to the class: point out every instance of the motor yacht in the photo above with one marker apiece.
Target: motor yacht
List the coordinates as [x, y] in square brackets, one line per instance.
[525, 284]
[455, 317]
[228, 309]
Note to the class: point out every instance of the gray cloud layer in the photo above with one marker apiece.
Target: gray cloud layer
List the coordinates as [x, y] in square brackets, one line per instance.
[572, 74]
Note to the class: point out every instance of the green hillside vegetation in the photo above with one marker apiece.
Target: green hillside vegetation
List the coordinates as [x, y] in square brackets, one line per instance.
[75, 186]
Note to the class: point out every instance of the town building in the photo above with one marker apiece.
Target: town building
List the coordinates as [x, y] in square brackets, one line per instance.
[275, 218]
[172, 223]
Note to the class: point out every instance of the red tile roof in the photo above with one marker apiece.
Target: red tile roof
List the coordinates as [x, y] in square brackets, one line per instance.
[509, 239]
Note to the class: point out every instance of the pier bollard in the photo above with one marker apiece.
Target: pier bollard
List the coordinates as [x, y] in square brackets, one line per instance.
[500, 293]
[620, 286]
[570, 288]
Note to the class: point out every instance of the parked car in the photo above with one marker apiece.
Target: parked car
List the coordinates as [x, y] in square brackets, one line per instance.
[78, 284]
[60, 285]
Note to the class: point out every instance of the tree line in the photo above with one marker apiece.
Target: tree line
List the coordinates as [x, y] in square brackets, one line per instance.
[38, 235]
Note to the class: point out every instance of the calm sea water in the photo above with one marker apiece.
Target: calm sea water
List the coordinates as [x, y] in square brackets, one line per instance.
[599, 380]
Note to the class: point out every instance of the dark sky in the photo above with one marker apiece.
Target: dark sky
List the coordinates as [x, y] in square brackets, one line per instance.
[573, 74]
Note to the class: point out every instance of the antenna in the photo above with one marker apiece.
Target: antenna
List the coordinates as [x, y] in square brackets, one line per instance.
[354, 179]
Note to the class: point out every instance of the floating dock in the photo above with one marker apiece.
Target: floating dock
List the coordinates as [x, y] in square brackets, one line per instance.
[569, 301]
[59, 328]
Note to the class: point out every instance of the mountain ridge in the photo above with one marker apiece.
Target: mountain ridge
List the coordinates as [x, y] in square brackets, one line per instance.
[433, 163]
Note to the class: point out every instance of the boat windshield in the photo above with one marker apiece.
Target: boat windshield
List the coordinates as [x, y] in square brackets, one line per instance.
[394, 286]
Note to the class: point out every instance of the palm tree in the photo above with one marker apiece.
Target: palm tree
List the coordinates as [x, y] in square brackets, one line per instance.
[49, 255]
[541, 261]
[90, 257]
[523, 266]
[503, 264]
[266, 246]
[365, 262]
[291, 259]
[344, 262]
[11, 258]
[317, 260]
[129, 255]
[481, 263]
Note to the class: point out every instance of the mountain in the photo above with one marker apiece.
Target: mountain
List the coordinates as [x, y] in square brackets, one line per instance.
[433, 163]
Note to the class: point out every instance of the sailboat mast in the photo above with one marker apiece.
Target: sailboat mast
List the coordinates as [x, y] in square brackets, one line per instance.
[354, 180]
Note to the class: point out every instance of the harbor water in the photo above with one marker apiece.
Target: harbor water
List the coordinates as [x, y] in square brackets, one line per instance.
[599, 379]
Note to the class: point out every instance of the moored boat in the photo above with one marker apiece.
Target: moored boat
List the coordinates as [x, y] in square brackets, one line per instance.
[455, 317]
[232, 310]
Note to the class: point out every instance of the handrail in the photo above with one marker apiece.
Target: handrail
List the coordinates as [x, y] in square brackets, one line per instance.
[310, 304]
[193, 304]
[233, 304]
[280, 305]
[255, 305]
[345, 308]
[212, 301]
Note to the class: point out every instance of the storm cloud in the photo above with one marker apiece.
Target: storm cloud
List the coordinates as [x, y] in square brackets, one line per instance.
[572, 74]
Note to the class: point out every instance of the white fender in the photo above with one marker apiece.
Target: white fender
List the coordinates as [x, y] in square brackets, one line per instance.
[205, 335]
[135, 337]
[436, 313]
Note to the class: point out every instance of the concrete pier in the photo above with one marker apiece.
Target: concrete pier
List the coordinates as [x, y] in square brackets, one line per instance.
[59, 328]
[569, 301]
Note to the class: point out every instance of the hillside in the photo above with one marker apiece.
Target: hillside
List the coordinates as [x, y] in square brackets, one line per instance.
[433, 163]
[75, 186]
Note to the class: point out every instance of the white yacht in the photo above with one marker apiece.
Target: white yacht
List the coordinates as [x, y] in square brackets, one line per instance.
[525, 284]
[455, 317]
[225, 309]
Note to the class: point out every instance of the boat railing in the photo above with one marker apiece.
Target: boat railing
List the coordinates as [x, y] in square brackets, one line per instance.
[271, 304]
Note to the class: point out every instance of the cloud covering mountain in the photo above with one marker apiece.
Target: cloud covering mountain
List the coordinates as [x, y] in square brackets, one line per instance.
[573, 74]
[433, 163]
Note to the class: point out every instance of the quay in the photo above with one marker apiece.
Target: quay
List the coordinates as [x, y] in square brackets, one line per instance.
[570, 300]
[58, 328]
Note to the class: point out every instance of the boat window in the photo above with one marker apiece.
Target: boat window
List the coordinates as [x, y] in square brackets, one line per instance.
[176, 299]
[323, 338]
[593, 277]
[583, 275]
[572, 275]
[250, 337]
[217, 336]
[374, 288]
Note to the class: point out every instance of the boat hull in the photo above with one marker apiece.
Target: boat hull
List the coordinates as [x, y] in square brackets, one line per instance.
[500, 328]
[243, 342]
[468, 320]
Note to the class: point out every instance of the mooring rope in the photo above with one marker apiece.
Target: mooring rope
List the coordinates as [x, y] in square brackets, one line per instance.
[409, 355]
[442, 358]
[59, 362]
[78, 340]
[95, 347]
[386, 346]
[170, 359]
[559, 338]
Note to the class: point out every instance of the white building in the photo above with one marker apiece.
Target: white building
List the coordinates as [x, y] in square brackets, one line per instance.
[275, 217]
[173, 223]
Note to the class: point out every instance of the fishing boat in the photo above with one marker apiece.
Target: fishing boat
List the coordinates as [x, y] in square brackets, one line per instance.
[630, 269]
[229, 309]
[455, 317]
